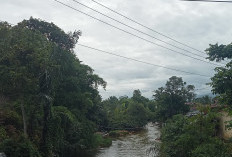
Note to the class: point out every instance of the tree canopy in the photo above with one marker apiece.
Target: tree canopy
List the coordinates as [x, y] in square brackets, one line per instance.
[171, 99]
[127, 113]
[57, 93]
[222, 80]
[50, 103]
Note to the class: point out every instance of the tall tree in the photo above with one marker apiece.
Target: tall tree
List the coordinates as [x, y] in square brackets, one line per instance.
[58, 94]
[171, 99]
[222, 80]
[137, 97]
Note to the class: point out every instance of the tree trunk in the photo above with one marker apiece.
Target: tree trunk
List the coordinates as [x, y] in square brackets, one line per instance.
[46, 143]
[24, 120]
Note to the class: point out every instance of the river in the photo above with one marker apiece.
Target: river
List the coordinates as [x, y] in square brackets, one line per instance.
[135, 145]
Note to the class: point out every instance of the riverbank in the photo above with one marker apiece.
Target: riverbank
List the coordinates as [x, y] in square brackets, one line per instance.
[194, 137]
[104, 139]
[136, 144]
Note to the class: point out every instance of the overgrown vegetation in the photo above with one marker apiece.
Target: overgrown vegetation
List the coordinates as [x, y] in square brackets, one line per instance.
[50, 104]
[171, 99]
[198, 136]
[128, 113]
[193, 137]
[49, 100]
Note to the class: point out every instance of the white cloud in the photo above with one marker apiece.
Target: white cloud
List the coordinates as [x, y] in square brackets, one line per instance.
[196, 24]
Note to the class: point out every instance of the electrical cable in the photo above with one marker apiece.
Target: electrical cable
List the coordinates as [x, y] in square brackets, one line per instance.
[140, 24]
[137, 60]
[138, 29]
[144, 26]
[133, 34]
[144, 62]
[201, 88]
[209, 1]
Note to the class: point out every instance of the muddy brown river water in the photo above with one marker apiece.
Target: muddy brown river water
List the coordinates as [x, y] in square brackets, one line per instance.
[136, 145]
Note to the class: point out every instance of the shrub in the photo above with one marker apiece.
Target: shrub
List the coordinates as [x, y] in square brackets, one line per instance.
[21, 147]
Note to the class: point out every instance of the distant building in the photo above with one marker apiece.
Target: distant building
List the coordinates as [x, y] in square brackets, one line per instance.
[225, 132]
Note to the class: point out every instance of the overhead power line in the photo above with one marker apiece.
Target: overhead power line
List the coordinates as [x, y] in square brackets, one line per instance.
[202, 88]
[138, 30]
[137, 60]
[144, 62]
[149, 89]
[209, 1]
[111, 25]
[149, 28]
[140, 24]
[173, 69]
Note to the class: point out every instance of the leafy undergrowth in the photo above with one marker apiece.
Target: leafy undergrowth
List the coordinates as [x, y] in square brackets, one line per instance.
[101, 141]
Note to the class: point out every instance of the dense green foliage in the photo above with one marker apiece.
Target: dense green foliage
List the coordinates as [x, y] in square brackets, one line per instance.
[49, 100]
[102, 142]
[50, 104]
[47, 97]
[193, 137]
[197, 136]
[128, 113]
[219, 52]
[222, 80]
[171, 99]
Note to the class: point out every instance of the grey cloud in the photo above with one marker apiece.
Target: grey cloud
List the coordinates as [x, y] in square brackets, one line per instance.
[193, 23]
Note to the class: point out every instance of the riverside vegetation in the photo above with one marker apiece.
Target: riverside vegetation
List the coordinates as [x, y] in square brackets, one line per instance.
[49, 100]
[50, 104]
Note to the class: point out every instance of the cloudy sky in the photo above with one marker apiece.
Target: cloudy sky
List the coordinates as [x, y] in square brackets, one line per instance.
[193, 23]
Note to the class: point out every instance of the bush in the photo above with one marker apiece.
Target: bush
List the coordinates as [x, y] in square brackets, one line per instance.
[21, 147]
[192, 137]
[101, 141]
[214, 148]
[3, 134]
[114, 134]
